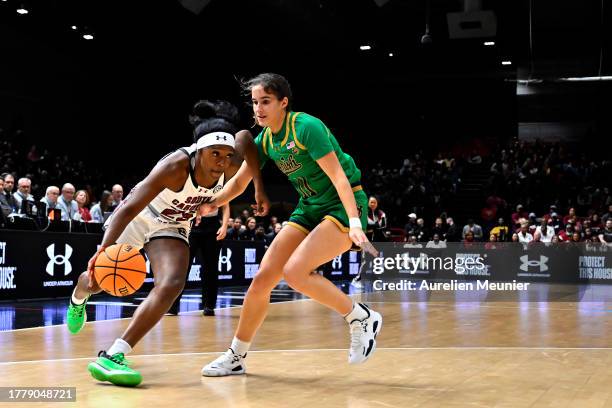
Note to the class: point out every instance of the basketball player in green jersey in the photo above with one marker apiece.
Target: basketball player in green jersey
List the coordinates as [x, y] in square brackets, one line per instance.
[329, 218]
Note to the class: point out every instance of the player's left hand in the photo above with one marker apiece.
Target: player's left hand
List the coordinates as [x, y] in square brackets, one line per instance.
[360, 239]
[263, 204]
[221, 232]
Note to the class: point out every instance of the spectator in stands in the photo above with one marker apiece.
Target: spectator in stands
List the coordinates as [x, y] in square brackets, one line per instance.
[230, 223]
[474, 228]
[545, 231]
[104, 206]
[272, 224]
[4, 204]
[411, 225]
[9, 183]
[49, 201]
[436, 242]
[605, 236]
[412, 242]
[82, 199]
[492, 244]
[452, 233]
[500, 231]
[270, 236]
[420, 231]
[571, 215]
[515, 237]
[556, 222]
[576, 237]
[524, 237]
[66, 203]
[117, 193]
[249, 233]
[595, 223]
[555, 239]
[566, 234]
[518, 214]
[234, 232]
[439, 229]
[377, 221]
[23, 199]
[468, 239]
[587, 234]
[260, 234]
[607, 216]
[245, 215]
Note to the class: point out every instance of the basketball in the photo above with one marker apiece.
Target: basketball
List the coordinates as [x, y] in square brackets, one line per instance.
[120, 270]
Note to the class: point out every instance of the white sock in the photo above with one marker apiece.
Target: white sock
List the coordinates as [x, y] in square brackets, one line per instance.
[76, 300]
[240, 347]
[119, 346]
[358, 313]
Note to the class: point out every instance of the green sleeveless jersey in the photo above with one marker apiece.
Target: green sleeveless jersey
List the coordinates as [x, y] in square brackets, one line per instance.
[303, 140]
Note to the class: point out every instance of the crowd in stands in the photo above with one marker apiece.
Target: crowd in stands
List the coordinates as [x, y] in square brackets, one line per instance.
[536, 192]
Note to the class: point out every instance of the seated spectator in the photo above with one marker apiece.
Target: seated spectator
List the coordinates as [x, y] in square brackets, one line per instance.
[500, 231]
[234, 232]
[571, 215]
[260, 234]
[555, 222]
[273, 222]
[245, 215]
[606, 216]
[411, 225]
[9, 184]
[249, 233]
[519, 213]
[587, 234]
[439, 229]
[49, 201]
[436, 242]
[82, 199]
[492, 244]
[595, 223]
[474, 228]
[545, 231]
[468, 240]
[420, 231]
[452, 233]
[4, 204]
[605, 236]
[412, 242]
[270, 236]
[566, 235]
[117, 193]
[576, 237]
[230, 223]
[97, 211]
[23, 199]
[66, 203]
[555, 239]
[515, 237]
[524, 237]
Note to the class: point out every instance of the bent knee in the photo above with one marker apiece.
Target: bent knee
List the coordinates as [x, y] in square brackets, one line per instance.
[263, 283]
[294, 277]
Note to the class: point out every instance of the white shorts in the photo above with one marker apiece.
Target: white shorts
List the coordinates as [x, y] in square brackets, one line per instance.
[146, 227]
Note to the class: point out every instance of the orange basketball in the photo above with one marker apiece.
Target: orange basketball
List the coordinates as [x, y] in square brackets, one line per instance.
[120, 270]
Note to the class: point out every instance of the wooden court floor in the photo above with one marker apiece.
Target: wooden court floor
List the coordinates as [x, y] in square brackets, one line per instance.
[430, 354]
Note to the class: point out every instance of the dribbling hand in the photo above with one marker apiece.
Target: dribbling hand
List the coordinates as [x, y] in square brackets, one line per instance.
[91, 267]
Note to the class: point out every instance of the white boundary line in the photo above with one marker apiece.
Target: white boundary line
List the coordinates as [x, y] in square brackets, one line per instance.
[5, 363]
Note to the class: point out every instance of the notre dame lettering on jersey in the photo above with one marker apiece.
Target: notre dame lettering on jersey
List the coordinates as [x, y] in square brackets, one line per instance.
[303, 140]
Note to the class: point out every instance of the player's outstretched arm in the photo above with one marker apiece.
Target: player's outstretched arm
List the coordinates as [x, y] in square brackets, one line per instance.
[246, 147]
[231, 190]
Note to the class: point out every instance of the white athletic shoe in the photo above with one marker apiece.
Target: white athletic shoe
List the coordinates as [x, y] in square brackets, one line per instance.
[228, 363]
[363, 335]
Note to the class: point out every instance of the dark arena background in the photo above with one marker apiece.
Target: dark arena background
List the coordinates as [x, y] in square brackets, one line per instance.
[480, 129]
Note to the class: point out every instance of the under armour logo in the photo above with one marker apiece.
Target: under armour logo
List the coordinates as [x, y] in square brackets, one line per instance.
[337, 262]
[526, 263]
[59, 259]
[222, 137]
[225, 259]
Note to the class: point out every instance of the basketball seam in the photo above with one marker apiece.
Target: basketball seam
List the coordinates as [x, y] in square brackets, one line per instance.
[125, 269]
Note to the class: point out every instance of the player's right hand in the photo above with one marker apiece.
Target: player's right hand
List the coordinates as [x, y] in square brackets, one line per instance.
[91, 267]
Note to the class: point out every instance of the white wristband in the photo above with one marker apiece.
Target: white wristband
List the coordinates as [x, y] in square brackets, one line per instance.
[355, 222]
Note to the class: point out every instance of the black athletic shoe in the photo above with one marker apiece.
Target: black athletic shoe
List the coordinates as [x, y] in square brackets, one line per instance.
[208, 311]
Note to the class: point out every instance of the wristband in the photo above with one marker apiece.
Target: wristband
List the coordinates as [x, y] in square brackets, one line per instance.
[354, 222]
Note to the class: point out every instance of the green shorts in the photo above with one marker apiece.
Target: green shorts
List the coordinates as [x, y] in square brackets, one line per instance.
[307, 217]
